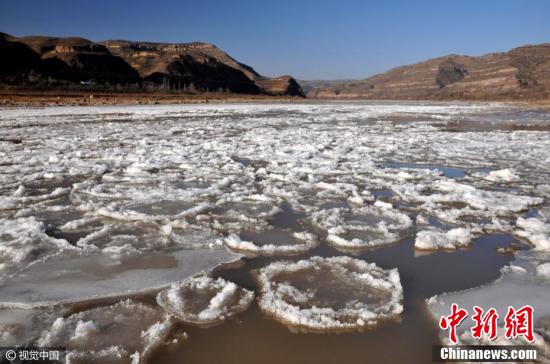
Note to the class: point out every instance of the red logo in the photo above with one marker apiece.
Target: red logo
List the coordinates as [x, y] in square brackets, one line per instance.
[516, 323]
[520, 323]
[485, 324]
[452, 321]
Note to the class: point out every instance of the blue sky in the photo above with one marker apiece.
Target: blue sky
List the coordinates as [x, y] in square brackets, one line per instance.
[307, 39]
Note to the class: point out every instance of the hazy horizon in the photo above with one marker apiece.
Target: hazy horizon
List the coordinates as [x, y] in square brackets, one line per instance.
[310, 40]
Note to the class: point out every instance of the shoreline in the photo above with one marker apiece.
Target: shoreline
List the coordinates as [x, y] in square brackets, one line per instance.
[68, 98]
[39, 99]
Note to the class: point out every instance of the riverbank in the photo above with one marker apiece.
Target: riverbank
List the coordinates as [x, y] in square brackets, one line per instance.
[36, 99]
[67, 98]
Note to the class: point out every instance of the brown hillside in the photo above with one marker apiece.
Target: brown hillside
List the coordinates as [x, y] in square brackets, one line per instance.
[52, 63]
[522, 73]
[174, 63]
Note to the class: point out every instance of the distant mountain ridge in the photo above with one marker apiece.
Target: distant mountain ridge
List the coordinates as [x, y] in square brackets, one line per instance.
[309, 85]
[521, 73]
[71, 63]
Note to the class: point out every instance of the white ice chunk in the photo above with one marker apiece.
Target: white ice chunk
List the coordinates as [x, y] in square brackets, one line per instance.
[24, 241]
[287, 242]
[204, 300]
[437, 239]
[108, 333]
[19, 327]
[536, 231]
[503, 175]
[323, 294]
[362, 227]
[543, 270]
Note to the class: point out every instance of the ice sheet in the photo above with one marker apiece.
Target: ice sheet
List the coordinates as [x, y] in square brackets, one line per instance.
[63, 279]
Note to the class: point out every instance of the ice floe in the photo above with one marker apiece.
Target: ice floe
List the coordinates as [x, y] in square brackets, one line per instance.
[362, 227]
[503, 175]
[324, 294]
[24, 241]
[536, 231]
[436, 239]
[272, 242]
[108, 334]
[543, 270]
[20, 327]
[450, 192]
[86, 277]
[204, 300]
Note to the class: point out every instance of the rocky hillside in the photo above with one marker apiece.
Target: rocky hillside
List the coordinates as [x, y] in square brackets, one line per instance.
[60, 62]
[198, 65]
[73, 63]
[312, 85]
[522, 73]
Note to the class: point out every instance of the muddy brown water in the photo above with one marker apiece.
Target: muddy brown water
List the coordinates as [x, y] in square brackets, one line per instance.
[253, 337]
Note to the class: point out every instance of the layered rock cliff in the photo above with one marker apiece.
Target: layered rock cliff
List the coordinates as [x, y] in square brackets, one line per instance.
[522, 73]
[49, 62]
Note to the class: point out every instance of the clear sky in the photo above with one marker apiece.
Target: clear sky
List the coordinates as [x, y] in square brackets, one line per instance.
[321, 39]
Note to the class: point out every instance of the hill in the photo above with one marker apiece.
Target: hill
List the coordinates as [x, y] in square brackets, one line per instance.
[521, 73]
[40, 62]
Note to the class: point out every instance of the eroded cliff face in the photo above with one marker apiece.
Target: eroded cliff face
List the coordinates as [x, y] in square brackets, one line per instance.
[184, 67]
[51, 62]
[284, 85]
[522, 73]
[198, 65]
[64, 60]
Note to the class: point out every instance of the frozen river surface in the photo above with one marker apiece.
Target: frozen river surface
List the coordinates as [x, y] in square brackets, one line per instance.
[208, 206]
